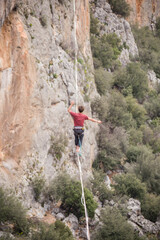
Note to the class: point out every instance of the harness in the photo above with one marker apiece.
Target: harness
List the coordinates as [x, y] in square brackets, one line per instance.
[78, 131]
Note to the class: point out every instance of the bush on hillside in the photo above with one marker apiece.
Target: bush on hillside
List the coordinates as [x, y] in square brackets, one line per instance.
[69, 192]
[106, 49]
[148, 46]
[113, 144]
[114, 226]
[130, 185]
[152, 106]
[148, 169]
[117, 112]
[56, 231]
[100, 107]
[120, 7]
[134, 152]
[103, 80]
[150, 207]
[135, 136]
[137, 110]
[11, 210]
[133, 78]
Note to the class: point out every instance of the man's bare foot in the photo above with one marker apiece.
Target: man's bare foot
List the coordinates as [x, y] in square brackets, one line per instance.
[77, 149]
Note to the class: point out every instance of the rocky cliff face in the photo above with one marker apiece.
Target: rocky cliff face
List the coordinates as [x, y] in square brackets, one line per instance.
[111, 23]
[36, 84]
[144, 12]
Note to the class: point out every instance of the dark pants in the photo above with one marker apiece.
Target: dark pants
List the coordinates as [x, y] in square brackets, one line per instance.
[79, 134]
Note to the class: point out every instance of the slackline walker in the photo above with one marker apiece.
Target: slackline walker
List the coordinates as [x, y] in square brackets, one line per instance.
[79, 119]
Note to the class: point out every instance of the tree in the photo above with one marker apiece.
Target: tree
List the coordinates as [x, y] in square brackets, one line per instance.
[120, 7]
[114, 226]
[130, 185]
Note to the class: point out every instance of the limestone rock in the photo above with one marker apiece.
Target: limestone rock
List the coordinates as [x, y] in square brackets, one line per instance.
[139, 221]
[111, 23]
[144, 13]
[60, 216]
[37, 82]
[153, 80]
[73, 221]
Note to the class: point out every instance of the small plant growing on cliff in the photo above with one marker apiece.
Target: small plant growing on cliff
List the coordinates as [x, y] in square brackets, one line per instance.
[69, 192]
[94, 28]
[58, 145]
[43, 21]
[38, 186]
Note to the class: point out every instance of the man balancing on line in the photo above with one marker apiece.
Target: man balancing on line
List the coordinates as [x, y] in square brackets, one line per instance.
[79, 119]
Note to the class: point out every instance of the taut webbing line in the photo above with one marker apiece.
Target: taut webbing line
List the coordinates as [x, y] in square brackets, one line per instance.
[83, 198]
[76, 49]
[76, 83]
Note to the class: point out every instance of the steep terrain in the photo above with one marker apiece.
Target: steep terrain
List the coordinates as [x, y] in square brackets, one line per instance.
[144, 12]
[37, 83]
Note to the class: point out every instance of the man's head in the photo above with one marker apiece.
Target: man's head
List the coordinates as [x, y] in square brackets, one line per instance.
[80, 109]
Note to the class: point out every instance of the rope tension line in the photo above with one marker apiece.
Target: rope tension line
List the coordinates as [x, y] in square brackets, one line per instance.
[83, 201]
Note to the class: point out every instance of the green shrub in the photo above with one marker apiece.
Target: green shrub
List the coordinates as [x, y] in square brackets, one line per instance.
[105, 162]
[11, 210]
[99, 187]
[120, 7]
[135, 136]
[112, 147]
[133, 78]
[130, 185]
[117, 112]
[58, 145]
[106, 49]
[38, 184]
[137, 110]
[114, 226]
[100, 107]
[148, 169]
[150, 207]
[147, 134]
[152, 106]
[103, 80]
[56, 231]
[158, 26]
[94, 27]
[134, 152]
[148, 45]
[69, 192]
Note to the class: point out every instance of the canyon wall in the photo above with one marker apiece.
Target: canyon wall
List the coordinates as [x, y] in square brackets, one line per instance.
[144, 12]
[37, 83]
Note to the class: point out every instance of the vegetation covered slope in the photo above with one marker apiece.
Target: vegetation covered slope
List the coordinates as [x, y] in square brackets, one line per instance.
[129, 108]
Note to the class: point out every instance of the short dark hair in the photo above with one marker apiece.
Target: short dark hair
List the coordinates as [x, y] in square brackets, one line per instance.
[80, 109]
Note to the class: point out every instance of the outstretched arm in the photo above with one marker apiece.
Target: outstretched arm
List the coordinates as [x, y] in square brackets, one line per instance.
[93, 120]
[69, 109]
